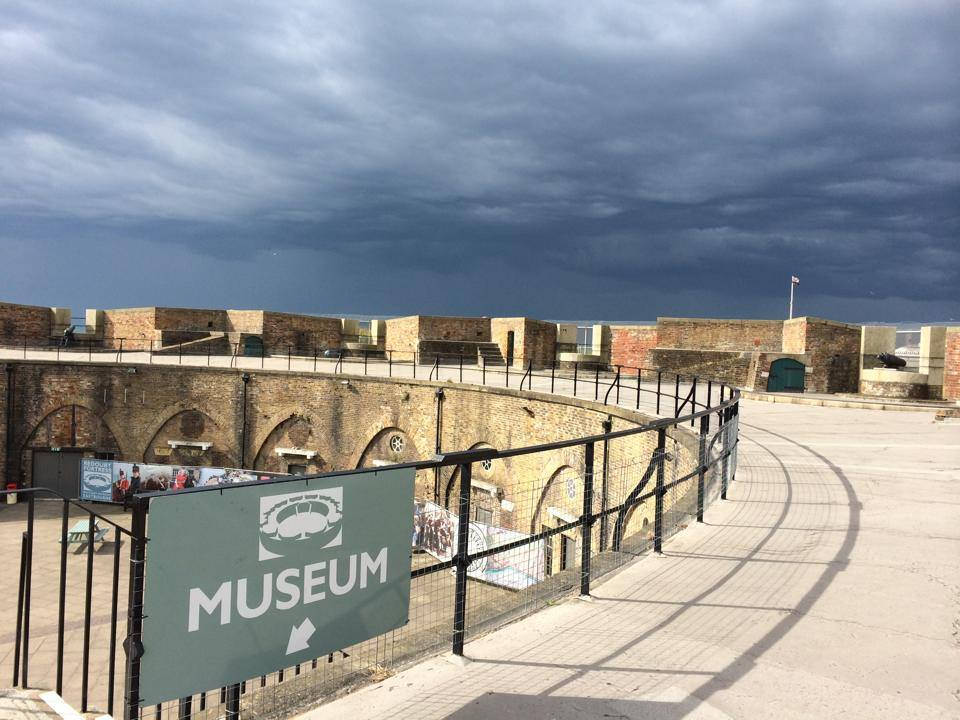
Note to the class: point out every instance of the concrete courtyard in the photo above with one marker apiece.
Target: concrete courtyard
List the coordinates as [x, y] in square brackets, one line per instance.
[828, 585]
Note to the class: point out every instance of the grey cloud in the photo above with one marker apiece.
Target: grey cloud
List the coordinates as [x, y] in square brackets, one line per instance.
[665, 143]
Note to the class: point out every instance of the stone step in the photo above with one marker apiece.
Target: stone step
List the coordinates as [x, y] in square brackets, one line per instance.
[30, 704]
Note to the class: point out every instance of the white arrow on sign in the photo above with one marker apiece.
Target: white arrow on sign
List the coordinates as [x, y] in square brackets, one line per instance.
[300, 637]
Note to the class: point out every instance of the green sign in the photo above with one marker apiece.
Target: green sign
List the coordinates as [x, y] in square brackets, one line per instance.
[248, 580]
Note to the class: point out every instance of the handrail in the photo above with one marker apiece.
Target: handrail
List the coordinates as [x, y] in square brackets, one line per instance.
[616, 381]
[69, 501]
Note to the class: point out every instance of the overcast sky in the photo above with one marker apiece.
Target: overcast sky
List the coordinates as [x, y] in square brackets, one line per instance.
[599, 160]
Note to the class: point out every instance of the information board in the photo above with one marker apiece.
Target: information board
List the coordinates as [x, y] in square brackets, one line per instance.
[252, 579]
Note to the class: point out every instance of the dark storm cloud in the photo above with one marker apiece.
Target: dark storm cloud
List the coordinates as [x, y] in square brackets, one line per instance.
[611, 158]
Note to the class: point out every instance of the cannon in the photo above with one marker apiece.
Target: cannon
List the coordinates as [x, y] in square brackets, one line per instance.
[892, 361]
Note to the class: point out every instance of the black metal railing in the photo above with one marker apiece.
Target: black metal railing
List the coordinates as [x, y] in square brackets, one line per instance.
[642, 465]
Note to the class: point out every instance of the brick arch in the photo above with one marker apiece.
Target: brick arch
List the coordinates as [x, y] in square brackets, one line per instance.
[408, 454]
[557, 475]
[272, 421]
[223, 453]
[106, 440]
[88, 407]
[263, 460]
[452, 485]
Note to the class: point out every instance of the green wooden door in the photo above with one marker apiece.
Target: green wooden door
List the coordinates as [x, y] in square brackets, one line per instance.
[786, 374]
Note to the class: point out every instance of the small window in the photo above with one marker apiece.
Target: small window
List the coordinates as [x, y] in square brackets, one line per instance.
[483, 515]
[568, 552]
[487, 465]
[397, 443]
[104, 455]
[585, 339]
[297, 469]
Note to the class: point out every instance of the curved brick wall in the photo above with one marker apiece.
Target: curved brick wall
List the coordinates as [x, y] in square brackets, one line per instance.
[346, 420]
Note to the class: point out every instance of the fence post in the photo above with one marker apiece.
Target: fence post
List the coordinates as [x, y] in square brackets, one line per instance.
[704, 431]
[693, 399]
[120, 353]
[530, 373]
[233, 702]
[676, 398]
[604, 520]
[461, 367]
[414, 364]
[659, 378]
[24, 348]
[660, 492]
[365, 354]
[596, 383]
[389, 363]
[483, 380]
[27, 586]
[507, 366]
[586, 531]
[639, 379]
[461, 561]
[553, 372]
[709, 393]
[132, 644]
[726, 450]
[289, 355]
[575, 365]
[180, 354]
[617, 381]
[151, 351]
[314, 358]
[89, 351]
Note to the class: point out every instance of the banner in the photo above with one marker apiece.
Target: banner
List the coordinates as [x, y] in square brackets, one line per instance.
[435, 532]
[112, 480]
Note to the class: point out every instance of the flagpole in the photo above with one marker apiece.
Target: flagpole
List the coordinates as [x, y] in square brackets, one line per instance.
[791, 298]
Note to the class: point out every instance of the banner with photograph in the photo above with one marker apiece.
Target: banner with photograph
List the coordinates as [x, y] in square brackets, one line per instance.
[112, 480]
[435, 532]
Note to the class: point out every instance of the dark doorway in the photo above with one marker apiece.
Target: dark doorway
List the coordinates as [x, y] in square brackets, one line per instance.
[786, 375]
[252, 346]
[547, 552]
[510, 337]
[58, 471]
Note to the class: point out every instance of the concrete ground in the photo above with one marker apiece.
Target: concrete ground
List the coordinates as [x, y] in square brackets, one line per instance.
[828, 585]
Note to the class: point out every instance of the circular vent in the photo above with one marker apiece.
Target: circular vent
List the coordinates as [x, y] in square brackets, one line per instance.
[397, 443]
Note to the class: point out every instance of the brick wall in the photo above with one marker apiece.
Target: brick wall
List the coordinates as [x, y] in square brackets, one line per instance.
[24, 322]
[630, 345]
[730, 367]
[137, 327]
[539, 342]
[951, 365]
[245, 321]
[833, 350]
[403, 334]
[302, 333]
[535, 341]
[795, 335]
[454, 328]
[712, 334]
[136, 414]
[191, 319]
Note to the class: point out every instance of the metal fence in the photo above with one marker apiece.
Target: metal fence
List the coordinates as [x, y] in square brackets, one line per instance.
[632, 488]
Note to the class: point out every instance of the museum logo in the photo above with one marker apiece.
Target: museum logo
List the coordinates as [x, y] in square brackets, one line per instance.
[304, 520]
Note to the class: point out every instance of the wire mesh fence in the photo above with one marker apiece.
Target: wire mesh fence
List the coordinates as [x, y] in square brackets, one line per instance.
[566, 520]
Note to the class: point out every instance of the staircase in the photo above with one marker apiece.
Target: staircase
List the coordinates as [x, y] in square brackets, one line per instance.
[490, 354]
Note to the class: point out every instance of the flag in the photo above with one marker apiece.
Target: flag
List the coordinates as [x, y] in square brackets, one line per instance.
[794, 279]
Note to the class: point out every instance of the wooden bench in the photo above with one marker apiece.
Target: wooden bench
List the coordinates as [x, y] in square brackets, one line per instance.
[79, 534]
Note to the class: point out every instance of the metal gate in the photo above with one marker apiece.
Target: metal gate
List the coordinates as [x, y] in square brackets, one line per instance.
[786, 374]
